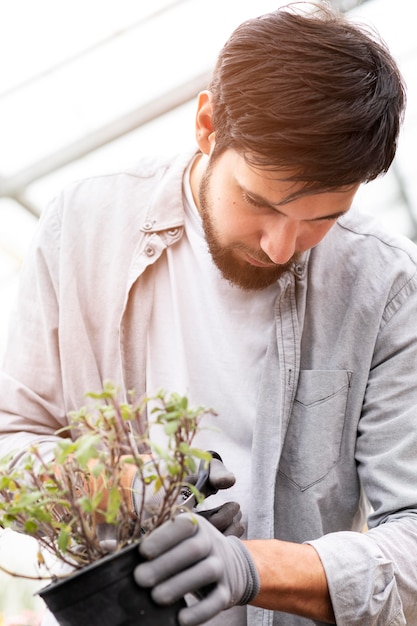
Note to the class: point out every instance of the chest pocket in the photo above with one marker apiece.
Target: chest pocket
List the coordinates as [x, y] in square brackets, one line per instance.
[314, 435]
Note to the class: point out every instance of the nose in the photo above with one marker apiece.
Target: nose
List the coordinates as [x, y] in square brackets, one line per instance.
[279, 241]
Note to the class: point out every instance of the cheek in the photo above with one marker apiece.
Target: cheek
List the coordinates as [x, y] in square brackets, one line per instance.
[230, 219]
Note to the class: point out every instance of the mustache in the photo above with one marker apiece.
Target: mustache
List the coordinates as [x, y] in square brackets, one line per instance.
[258, 255]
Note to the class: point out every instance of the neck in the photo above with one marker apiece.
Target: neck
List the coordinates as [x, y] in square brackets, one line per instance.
[196, 173]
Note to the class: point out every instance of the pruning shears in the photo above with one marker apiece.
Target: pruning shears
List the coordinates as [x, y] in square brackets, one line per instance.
[201, 485]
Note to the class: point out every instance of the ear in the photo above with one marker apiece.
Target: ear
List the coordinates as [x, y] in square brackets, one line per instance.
[204, 128]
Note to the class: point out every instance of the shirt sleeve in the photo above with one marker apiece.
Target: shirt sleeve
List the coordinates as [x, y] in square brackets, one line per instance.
[369, 576]
[31, 402]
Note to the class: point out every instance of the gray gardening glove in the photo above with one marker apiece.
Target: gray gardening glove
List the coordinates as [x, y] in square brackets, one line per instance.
[189, 555]
[219, 476]
[227, 517]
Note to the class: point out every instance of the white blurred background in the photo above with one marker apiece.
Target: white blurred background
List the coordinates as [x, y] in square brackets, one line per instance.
[88, 86]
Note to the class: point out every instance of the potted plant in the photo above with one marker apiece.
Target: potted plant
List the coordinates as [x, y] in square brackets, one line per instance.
[88, 519]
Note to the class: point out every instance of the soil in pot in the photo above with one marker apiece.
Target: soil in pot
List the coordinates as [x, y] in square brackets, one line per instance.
[106, 594]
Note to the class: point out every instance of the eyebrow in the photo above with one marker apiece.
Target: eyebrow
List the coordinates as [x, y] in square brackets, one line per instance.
[255, 199]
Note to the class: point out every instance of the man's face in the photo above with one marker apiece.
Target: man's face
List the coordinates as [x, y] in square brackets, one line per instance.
[253, 233]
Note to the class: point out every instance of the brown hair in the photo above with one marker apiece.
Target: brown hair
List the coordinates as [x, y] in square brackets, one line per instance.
[310, 93]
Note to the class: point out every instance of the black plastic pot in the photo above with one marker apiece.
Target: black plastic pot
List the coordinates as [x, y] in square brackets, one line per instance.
[106, 594]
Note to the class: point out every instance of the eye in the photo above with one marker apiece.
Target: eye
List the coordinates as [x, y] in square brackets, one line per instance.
[330, 218]
[253, 202]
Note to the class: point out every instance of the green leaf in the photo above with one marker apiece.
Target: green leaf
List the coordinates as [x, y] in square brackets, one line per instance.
[171, 427]
[90, 504]
[31, 527]
[64, 538]
[64, 449]
[7, 483]
[200, 454]
[113, 505]
[109, 391]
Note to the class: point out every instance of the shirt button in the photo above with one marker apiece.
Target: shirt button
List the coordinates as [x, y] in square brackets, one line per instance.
[147, 226]
[173, 232]
[149, 251]
[299, 270]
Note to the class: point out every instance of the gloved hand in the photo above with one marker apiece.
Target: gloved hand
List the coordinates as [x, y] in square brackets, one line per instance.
[227, 517]
[189, 555]
[219, 476]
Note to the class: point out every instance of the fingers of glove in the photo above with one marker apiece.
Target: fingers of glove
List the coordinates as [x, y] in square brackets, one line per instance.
[202, 574]
[223, 516]
[175, 559]
[168, 535]
[205, 609]
[220, 476]
[236, 528]
[206, 562]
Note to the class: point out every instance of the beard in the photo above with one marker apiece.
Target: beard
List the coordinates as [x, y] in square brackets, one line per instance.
[238, 272]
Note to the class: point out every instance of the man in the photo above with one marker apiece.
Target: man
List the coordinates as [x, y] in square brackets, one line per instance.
[241, 275]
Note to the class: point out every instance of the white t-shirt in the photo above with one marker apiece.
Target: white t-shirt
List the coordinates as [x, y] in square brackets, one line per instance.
[208, 339]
